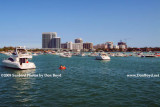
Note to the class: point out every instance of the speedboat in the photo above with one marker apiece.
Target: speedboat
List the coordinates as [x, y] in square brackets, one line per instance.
[102, 56]
[92, 54]
[119, 55]
[66, 55]
[157, 54]
[82, 54]
[19, 59]
[7, 53]
[34, 54]
[151, 55]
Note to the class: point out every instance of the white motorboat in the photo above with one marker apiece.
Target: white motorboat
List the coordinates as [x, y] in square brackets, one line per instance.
[75, 54]
[150, 55]
[92, 54]
[102, 56]
[82, 54]
[19, 60]
[111, 54]
[34, 54]
[7, 53]
[66, 55]
[119, 55]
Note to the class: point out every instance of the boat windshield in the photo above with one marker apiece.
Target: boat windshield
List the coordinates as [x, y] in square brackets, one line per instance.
[10, 59]
[21, 51]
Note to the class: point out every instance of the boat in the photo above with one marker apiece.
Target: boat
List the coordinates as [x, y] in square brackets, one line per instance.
[35, 54]
[75, 54]
[111, 54]
[92, 54]
[140, 54]
[151, 55]
[7, 53]
[19, 60]
[102, 56]
[157, 54]
[81, 54]
[119, 55]
[66, 55]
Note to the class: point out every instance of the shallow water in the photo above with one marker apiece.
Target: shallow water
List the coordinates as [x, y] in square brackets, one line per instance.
[85, 82]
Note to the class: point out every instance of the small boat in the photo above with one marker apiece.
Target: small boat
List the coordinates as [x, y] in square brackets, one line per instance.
[34, 54]
[157, 54]
[8, 53]
[150, 55]
[75, 54]
[102, 56]
[82, 54]
[66, 55]
[111, 54]
[19, 60]
[92, 54]
[119, 55]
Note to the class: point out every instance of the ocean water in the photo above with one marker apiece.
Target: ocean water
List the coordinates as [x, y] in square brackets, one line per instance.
[85, 82]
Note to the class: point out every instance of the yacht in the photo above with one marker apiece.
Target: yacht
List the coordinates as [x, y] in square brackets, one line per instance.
[19, 59]
[150, 55]
[119, 55]
[92, 54]
[34, 54]
[82, 54]
[102, 56]
[66, 55]
[157, 54]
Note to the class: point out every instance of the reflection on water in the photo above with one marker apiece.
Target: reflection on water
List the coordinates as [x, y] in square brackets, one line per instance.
[22, 85]
[30, 71]
[105, 61]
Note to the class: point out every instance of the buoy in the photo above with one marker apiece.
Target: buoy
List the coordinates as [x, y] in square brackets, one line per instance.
[62, 67]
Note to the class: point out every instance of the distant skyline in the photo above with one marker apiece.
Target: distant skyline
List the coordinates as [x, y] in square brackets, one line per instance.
[136, 22]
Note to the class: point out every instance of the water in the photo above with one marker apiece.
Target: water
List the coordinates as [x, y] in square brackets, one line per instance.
[85, 82]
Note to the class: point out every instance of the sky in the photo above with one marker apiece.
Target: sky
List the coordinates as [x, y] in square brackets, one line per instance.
[136, 22]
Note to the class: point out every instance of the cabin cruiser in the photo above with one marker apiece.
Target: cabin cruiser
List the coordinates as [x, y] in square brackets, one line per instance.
[111, 54]
[157, 54]
[140, 54]
[81, 54]
[66, 55]
[93, 54]
[102, 56]
[119, 55]
[34, 54]
[75, 54]
[150, 55]
[7, 53]
[19, 59]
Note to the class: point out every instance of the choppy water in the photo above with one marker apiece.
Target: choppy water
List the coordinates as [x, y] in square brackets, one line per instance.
[86, 82]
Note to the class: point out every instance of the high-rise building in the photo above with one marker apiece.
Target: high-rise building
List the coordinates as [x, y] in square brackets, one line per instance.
[78, 40]
[50, 40]
[64, 45]
[122, 45]
[110, 45]
[56, 42]
[77, 46]
[87, 45]
[116, 47]
[69, 45]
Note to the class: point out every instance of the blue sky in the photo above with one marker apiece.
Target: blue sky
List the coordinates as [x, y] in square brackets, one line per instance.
[136, 22]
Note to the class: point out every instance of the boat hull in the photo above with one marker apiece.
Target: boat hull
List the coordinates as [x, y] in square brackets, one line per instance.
[17, 65]
[102, 58]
